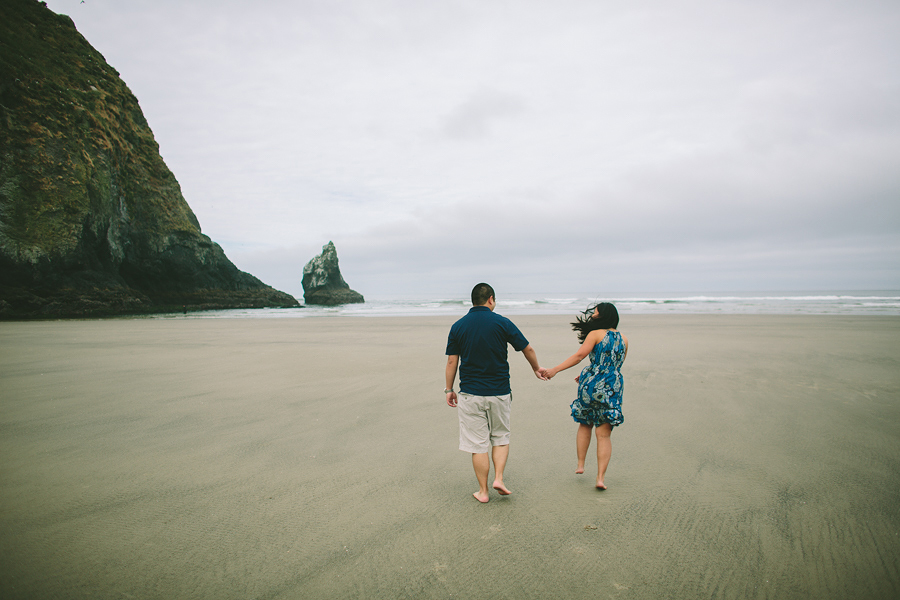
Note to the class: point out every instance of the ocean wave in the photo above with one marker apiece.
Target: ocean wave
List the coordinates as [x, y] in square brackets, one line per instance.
[838, 302]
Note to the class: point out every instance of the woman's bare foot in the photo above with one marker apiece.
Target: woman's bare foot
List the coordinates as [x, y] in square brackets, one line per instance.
[579, 469]
[501, 489]
[600, 485]
[481, 498]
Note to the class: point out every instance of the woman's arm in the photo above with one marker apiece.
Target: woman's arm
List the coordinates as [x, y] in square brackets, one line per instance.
[589, 342]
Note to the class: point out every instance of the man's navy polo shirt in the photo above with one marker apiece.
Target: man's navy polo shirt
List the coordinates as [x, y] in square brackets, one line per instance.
[480, 339]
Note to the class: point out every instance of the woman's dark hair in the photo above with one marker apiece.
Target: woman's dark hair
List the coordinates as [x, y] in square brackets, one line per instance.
[607, 318]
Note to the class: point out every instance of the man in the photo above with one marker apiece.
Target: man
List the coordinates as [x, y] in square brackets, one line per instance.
[476, 347]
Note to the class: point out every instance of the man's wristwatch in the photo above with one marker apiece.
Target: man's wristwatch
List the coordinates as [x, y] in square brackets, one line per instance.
[448, 391]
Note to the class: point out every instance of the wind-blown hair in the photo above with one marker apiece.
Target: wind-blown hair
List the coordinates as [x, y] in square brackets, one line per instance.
[607, 318]
[481, 293]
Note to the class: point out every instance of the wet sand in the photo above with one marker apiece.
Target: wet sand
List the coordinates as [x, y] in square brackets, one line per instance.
[316, 458]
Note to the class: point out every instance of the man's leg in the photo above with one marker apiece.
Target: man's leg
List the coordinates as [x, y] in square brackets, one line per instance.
[474, 437]
[482, 465]
[500, 454]
[498, 421]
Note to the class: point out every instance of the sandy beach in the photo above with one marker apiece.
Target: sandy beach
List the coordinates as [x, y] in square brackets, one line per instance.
[316, 458]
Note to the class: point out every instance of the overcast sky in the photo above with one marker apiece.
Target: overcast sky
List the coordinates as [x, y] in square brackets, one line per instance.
[552, 146]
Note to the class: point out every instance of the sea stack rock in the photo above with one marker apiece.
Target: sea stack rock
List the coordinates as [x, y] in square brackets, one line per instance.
[322, 281]
[92, 221]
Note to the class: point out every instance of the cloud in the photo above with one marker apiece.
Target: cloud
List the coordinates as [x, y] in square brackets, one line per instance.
[471, 119]
[689, 146]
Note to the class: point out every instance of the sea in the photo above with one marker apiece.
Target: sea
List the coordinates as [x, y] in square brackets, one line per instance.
[883, 302]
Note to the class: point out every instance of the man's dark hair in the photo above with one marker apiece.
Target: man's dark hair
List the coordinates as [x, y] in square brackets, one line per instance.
[607, 318]
[481, 293]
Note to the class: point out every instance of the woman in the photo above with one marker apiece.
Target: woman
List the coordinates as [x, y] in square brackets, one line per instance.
[598, 406]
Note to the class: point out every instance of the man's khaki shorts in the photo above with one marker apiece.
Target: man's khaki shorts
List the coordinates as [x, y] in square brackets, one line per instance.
[483, 422]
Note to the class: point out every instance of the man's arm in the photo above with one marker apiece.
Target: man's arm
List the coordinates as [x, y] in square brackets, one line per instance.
[531, 356]
[450, 377]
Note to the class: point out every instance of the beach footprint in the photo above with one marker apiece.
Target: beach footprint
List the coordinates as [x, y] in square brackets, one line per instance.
[440, 571]
[494, 530]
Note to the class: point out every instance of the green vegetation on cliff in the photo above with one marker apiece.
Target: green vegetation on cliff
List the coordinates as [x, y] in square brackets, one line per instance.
[91, 219]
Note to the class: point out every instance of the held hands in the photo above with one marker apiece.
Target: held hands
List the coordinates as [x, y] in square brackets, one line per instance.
[544, 374]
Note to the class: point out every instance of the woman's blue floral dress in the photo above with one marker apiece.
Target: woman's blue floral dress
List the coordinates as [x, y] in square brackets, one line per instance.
[600, 384]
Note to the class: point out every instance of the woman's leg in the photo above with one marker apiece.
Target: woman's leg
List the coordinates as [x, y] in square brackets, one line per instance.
[582, 443]
[604, 451]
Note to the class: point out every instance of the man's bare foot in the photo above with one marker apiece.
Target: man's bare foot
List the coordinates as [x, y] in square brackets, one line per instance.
[579, 469]
[481, 498]
[501, 489]
[601, 486]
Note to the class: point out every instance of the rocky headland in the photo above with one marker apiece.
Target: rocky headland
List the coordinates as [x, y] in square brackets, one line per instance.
[323, 283]
[92, 221]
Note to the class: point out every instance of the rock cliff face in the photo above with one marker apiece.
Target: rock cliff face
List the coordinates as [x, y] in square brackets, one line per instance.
[323, 283]
[92, 222]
